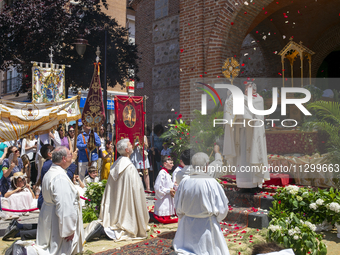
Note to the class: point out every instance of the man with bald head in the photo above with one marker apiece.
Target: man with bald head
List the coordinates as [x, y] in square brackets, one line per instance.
[60, 224]
[201, 205]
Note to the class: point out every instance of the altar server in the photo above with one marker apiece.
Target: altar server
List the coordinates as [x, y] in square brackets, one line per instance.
[164, 193]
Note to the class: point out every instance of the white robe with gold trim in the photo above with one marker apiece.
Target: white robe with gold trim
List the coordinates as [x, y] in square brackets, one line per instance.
[245, 147]
[123, 208]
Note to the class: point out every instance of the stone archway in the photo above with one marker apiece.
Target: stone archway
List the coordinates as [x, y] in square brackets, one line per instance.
[211, 31]
[327, 42]
[232, 26]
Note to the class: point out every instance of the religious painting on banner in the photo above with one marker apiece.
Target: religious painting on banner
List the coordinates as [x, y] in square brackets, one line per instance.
[20, 119]
[94, 112]
[48, 82]
[129, 118]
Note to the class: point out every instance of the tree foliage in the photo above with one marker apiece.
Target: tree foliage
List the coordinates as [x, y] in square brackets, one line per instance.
[29, 28]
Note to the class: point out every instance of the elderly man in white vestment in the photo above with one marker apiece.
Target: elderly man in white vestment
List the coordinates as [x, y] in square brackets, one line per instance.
[245, 146]
[123, 209]
[201, 205]
[60, 224]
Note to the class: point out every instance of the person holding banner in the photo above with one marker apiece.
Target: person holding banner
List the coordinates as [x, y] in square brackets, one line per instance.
[86, 158]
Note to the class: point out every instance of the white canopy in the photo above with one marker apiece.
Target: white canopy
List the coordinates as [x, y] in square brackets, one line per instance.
[19, 119]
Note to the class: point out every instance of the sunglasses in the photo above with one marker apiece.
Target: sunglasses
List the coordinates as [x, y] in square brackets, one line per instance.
[15, 151]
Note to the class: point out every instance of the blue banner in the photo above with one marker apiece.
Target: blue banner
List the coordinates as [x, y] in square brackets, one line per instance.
[110, 103]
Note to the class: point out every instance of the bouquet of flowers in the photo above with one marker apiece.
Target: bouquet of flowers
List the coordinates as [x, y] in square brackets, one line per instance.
[94, 193]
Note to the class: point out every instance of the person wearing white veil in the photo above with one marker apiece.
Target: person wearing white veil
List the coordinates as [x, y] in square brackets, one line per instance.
[201, 205]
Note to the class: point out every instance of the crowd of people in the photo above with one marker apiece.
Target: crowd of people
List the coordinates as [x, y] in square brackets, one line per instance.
[191, 196]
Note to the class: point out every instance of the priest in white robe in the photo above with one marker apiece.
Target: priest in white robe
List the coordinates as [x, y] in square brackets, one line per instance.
[244, 146]
[60, 225]
[123, 211]
[201, 205]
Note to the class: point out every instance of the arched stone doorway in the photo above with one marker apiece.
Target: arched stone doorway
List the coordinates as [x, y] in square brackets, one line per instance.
[211, 31]
[328, 71]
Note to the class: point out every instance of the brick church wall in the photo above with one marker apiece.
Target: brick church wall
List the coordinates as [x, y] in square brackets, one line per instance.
[157, 39]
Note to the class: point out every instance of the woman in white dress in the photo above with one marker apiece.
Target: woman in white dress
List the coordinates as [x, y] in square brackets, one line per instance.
[29, 147]
[20, 195]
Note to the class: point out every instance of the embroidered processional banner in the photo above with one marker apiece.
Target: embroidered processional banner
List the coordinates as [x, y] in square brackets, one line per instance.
[94, 111]
[19, 119]
[129, 118]
[48, 82]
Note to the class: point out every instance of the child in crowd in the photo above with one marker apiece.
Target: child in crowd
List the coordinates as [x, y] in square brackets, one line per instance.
[92, 177]
[80, 187]
[108, 159]
[164, 192]
[166, 151]
[77, 182]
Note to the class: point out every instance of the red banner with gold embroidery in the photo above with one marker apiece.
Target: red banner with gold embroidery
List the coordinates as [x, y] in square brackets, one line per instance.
[129, 117]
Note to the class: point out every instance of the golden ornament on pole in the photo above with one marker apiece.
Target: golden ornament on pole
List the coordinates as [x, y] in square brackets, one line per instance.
[231, 69]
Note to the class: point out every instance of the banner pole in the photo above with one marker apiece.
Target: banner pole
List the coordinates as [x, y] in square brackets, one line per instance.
[111, 134]
[76, 133]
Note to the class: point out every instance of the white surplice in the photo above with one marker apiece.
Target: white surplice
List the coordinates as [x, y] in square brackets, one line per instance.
[245, 147]
[178, 168]
[123, 208]
[215, 168]
[60, 216]
[201, 205]
[183, 173]
[164, 205]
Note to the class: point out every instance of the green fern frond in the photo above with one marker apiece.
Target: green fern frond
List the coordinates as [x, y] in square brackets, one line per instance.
[326, 110]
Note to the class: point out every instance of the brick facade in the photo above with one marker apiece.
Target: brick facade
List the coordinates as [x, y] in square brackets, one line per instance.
[212, 30]
[157, 39]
